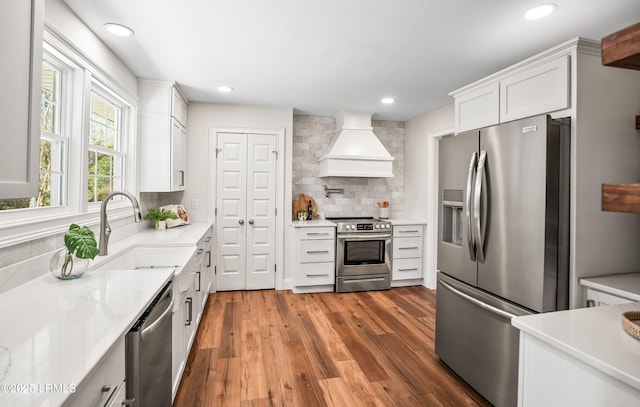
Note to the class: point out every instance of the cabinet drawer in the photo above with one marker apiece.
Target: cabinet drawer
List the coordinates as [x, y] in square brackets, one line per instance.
[104, 381]
[407, 247]
[316, 274]
[407, 231]
[317, 233]
[407, 269]
[317, 251]
[599, 298]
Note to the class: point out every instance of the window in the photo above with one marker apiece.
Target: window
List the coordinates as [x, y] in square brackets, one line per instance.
[87, 146]
[106, 153]
[53, 142]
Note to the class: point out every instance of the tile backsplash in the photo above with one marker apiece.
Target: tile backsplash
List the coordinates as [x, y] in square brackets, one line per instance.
[311, 135]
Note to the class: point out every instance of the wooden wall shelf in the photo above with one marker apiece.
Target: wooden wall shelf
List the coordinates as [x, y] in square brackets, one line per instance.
[622, 48]
[621, 198]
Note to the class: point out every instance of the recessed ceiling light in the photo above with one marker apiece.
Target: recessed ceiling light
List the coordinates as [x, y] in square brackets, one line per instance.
[119, 29]
[540, 11]
[388, 100]
[225, 89]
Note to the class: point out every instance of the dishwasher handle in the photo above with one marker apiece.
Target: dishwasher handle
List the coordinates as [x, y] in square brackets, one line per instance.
[154, 325]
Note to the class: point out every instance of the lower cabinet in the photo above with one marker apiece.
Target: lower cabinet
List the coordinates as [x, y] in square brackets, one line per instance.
[407, 254]
[315, 259]
[105, 385]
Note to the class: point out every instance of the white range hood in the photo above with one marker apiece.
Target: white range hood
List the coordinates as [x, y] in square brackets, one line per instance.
[355, 151]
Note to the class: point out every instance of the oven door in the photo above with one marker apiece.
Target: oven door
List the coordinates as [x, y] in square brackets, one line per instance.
[363, 254]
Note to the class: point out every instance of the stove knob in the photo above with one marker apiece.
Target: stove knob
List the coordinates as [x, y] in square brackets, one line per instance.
[387, 226]
[353, 227]
[377, 226]
[348, 227]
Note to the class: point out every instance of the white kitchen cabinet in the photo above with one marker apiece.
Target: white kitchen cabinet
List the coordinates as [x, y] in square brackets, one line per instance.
[478, 107]
[612, 289]
[535, 87]
[105, 384]
[315, 253]
[549, 376]
[538, 89]
[163, 136]
[21, 30]
[407, 254]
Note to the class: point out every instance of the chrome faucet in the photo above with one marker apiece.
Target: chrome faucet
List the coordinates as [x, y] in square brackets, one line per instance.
[105, 229]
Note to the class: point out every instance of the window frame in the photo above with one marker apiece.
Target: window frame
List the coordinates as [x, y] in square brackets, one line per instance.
[23, 225]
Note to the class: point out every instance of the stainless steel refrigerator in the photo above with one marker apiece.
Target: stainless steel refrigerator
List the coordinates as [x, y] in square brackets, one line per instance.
[503, 245]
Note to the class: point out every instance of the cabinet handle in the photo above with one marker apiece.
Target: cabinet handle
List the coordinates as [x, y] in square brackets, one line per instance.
[199, 282]
[251, 221]
[408, 248]
[317, 234]
[129, 402]
[181, 178]
[317, 275]
[200, 251]
[189, 302]
[411, 269]
[317, 251]
[408, 231]
[591, 303]
[241, 221]
[208, 258]
[208, 239]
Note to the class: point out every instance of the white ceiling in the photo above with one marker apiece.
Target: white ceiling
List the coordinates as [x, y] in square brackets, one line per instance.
[326, 55]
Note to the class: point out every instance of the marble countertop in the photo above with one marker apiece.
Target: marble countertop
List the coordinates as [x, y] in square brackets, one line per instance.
[324, 222]
[55, 332]
[622, 285]
[593, 336]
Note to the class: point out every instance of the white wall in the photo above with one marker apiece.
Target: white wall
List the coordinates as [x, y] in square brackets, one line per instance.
[63, 20]
[421, 163]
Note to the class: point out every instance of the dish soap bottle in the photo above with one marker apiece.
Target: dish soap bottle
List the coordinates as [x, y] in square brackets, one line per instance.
[309, 211]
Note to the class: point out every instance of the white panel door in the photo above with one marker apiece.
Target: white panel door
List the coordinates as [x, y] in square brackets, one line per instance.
[246, 171]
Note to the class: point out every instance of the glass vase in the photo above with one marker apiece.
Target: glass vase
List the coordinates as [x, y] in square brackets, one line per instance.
[66, 266]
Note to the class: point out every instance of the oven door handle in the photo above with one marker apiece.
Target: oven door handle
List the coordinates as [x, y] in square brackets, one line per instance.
[364, 236]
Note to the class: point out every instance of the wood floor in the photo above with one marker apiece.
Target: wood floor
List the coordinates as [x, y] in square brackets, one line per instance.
[276, 348]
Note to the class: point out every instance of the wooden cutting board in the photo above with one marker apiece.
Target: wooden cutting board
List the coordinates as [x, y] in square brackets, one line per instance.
[300, 203]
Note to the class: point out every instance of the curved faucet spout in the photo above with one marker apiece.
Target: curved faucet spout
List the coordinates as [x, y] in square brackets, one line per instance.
[105, 229]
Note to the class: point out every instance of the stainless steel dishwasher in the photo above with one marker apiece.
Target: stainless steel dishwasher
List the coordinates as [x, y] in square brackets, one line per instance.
[148, 354]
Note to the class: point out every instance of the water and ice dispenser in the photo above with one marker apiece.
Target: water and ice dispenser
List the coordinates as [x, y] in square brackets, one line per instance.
[452, 217]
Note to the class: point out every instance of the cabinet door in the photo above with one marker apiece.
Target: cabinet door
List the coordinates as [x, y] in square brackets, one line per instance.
[178, 106]
[178, 155]
[536, 90]
[477, 108]
[21, 28]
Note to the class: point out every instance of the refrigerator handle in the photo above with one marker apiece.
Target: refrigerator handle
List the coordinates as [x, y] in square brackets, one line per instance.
[483, 305]
[479, 235]
[470, 177]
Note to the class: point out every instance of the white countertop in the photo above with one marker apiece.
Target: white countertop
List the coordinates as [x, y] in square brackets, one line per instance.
[56, 332]
[622, 285]
[592, 335]
[407, 221]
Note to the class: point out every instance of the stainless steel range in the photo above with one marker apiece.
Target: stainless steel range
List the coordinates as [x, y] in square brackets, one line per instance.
[363, 254]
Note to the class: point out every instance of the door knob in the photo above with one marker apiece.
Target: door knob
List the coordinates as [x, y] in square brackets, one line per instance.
[241, 221]
[251, 221]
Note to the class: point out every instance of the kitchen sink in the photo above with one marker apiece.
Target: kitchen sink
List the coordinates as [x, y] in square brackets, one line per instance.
[137, 257]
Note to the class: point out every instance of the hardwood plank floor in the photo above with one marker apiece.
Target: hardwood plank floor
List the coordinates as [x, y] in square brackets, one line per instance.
[276, 348]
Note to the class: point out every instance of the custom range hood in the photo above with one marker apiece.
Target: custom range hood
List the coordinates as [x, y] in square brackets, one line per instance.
[355, 151]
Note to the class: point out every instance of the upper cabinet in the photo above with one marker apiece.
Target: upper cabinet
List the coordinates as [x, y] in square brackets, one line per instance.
[539, 85]
[163, 136]
[21, 29]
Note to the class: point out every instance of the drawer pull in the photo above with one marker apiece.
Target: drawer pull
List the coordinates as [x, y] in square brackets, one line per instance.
[317, 234]
[411, 269]
[317, 251]
[409, 231]
[408, 248]
[317, 275]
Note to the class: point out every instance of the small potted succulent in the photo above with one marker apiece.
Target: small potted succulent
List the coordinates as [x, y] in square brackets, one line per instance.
[160, 216]
[73, 260]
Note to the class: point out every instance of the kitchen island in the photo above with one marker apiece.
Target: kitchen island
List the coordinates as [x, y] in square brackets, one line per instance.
[578, 357]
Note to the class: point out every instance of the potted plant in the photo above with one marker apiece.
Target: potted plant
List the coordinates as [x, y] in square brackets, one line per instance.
[73, 260]
[160, 217]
